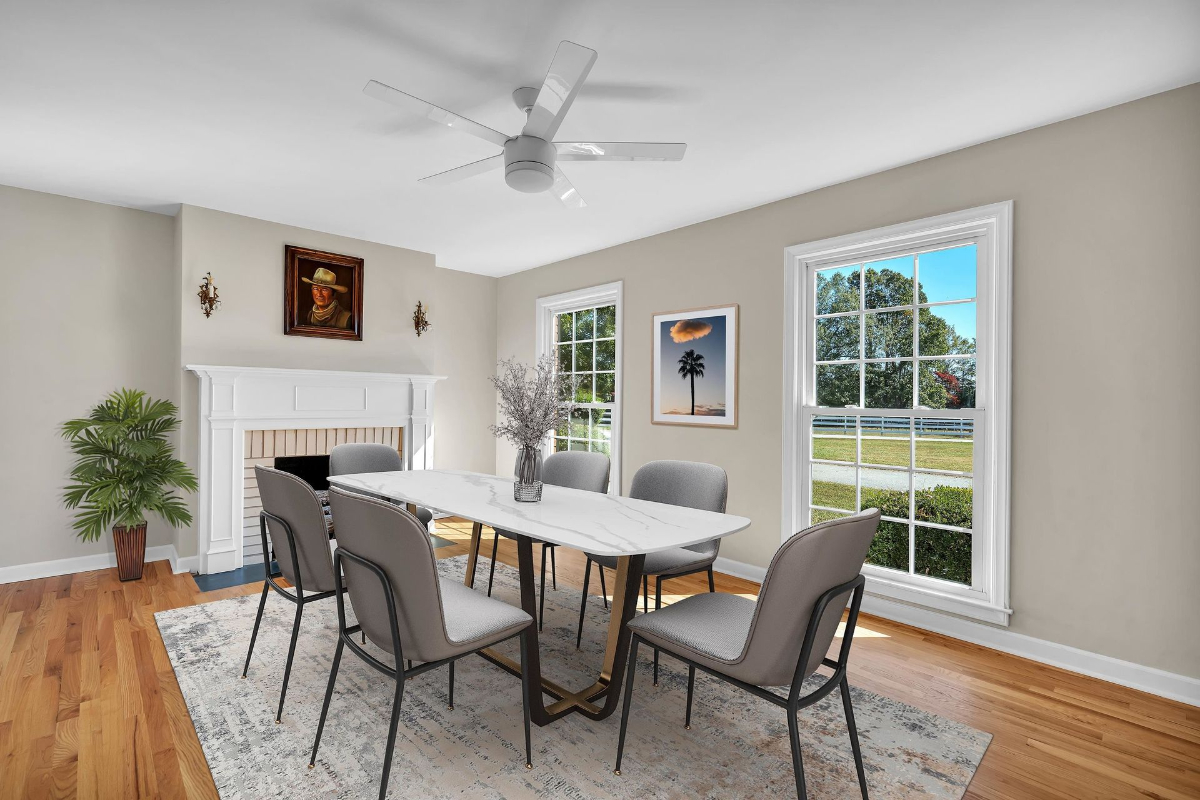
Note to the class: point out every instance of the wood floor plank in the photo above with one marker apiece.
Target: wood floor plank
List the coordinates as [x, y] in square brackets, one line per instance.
[65, 759]
[193, 767]
[88, 765]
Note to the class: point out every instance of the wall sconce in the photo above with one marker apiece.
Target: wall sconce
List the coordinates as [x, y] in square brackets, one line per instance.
[209, 300]
[420, 321]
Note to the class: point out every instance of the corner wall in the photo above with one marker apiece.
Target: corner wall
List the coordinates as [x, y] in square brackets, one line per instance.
[245, 256]
[87, 310]
[1105, 545]
[102, 297]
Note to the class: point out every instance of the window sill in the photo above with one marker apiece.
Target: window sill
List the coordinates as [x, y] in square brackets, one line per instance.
[944, 601]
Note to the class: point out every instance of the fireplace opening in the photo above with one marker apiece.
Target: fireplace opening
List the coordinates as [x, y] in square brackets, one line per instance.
[312, 469]
[303, 453]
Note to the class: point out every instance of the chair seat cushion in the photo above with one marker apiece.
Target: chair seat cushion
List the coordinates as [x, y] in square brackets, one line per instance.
[665, 562]
[475, 620]
[710, 628]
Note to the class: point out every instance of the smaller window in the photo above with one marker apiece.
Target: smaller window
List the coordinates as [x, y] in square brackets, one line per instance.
[582, 331]
[586, 343]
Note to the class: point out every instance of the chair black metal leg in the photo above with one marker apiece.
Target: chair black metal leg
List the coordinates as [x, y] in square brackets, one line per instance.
[542, 602]
[797, 759]
[333, 671]
[633, 648]
[712, 586]
[450, 705]
[262, 603]
[657, 605]
[553, 569]
[603, 588]
[587, 575]
[287, 670]
[645, 594]
[858, 762]
[492, 573]
[687, 719]
[526, 696]
[391, 740]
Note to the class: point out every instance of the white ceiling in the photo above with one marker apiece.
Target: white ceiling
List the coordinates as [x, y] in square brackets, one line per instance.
[255, 106]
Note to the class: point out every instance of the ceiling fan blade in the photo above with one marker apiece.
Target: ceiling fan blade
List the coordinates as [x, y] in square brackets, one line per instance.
[619, 151]
[465, 171]
[568, 70]
[565, 192]
[415, 105]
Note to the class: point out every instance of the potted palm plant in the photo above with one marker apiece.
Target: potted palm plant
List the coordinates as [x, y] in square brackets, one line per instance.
[124, 467]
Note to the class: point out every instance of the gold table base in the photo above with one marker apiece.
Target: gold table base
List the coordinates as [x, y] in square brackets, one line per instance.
[616, 651]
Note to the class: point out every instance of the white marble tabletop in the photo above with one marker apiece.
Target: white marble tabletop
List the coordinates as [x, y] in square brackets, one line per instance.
[595, 523]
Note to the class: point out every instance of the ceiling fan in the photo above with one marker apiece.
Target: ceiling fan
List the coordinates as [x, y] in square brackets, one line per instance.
[530, 159]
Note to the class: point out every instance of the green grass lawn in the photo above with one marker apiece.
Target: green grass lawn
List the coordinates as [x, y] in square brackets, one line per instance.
[833, 495]
[947, 455]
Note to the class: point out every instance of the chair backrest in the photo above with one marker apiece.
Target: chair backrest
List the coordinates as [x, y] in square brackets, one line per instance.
[684, 483]
[806, 566]
[355, 457]
[396, 542]
[577, 469]
[291, 499]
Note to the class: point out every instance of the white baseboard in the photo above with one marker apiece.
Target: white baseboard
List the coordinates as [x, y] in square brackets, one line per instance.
[739, 569]
[1124, 673]
[67, 566]
[185, 564]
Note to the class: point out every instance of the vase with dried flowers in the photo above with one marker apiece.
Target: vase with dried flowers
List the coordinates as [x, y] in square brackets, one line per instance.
[533, 402]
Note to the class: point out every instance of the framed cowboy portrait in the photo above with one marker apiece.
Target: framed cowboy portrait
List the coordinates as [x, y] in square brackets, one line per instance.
[322, 294]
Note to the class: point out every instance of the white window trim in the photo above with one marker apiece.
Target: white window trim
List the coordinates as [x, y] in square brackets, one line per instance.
[603, 295]
[993, 224]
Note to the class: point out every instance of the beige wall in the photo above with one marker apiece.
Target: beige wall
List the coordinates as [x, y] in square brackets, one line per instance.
[88, 309]
[245, 256]
[1106, 426]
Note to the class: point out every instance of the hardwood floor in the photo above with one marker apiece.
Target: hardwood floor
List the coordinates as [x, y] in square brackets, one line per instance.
[89, 705]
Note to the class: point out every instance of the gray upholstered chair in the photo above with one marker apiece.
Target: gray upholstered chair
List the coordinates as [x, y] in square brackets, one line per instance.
[406, 609]
[574, 469]
[355, 457]
[295, 527]
[781, 639]
[677, 483]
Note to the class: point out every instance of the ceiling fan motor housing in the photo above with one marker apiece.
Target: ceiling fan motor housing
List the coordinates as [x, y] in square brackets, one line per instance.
[529, 164]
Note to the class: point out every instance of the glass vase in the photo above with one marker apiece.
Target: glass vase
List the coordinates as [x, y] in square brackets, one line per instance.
[527, 488]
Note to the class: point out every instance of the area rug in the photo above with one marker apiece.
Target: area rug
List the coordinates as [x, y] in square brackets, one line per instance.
[737, 746]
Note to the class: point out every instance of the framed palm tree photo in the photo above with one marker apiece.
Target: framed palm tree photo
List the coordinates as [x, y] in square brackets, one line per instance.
[694, 367]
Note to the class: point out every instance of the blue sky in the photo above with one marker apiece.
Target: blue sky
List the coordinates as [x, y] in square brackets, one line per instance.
[710, 390]
[950, 275]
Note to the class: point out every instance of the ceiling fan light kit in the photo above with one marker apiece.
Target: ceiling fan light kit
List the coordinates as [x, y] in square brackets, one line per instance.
[529, 164]
[530, 159]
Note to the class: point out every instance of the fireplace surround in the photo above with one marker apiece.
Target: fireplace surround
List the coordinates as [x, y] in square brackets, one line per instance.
[235, 400]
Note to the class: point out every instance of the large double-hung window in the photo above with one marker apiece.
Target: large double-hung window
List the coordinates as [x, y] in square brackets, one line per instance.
[898, 400]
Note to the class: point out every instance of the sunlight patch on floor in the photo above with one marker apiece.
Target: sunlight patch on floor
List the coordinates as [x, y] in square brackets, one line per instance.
[861, 632]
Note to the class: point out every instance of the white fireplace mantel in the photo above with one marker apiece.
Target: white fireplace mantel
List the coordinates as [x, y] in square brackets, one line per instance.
[234, 400]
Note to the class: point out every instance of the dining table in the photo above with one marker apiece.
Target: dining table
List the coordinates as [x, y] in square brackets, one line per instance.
[592, 522]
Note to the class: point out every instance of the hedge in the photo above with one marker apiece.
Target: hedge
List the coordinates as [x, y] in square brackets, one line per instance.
[939, 554]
